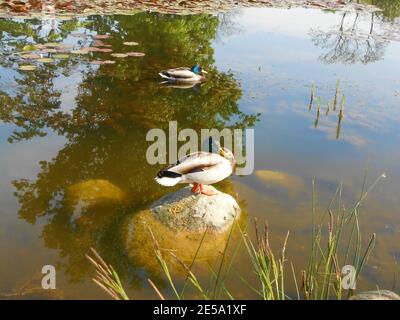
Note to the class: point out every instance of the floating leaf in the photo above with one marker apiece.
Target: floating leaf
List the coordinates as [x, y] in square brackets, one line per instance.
[97, 43]
[49, 50]
[102, 62]
[92, 49]
[63, 51]
[119, 55]
[29, 47]
[30, 56]
[45, 60]
[52, 44]
[136, 54]
[80, 51]
[27, 67]
[101, 36]
[65, 46]
[61, 56]
[131, 43]
[104, 50]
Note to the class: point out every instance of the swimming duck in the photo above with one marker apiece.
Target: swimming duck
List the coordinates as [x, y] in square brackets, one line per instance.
[184, 74]
[199, 168]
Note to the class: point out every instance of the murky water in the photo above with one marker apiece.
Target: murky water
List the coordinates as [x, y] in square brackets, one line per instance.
[73, 131]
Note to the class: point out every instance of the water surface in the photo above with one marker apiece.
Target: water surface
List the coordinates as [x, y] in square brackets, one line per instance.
[71, 126]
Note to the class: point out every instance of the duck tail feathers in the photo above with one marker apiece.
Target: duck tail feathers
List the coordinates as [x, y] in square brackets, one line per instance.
[168, 178]
[164, 76]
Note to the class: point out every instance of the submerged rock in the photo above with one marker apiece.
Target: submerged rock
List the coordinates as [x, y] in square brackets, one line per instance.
[376, 295]
[281, 180]
[94, 191]
[184, 210]
[94, 202]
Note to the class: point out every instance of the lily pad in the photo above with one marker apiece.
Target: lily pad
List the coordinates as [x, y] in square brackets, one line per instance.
[52, 44]
[61, 56]
[104, 50]
[27, 67]
[45, 60]
[101, 36]
[92, 49]
[136, 54]
[119, 55]
[102, 62]
[130, 43]
[65, 46]
[62, 51]
[30, 56]
[80, 51]
[97, 43]
[29, 47]
[49, 50]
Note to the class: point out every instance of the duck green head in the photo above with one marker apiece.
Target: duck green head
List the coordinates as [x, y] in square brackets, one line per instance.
[196, 69]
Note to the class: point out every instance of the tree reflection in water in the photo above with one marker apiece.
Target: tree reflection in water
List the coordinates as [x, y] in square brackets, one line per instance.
[114, 107]
[348, 43]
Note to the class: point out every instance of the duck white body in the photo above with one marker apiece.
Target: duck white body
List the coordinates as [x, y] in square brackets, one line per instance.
[183, 75]
[199, 168]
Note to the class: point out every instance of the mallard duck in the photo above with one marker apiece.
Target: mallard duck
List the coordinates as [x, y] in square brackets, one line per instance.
[184, 75]
[199, 168]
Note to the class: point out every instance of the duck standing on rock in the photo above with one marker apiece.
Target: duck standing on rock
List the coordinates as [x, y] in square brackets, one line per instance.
[184, 74]
[199, 168]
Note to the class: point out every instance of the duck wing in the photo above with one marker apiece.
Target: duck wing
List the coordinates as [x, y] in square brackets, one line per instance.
[178, 73]
[195, 162]
[199, 167]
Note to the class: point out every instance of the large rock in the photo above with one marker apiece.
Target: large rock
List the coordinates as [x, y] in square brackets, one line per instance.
[179, 223]
[183, 210]
[376, 295]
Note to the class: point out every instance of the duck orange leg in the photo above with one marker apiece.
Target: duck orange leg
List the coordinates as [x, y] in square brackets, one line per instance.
[196, 187]
[208, 191]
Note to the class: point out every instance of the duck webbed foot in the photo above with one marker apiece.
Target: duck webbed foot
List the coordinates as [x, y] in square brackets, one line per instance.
[204, 189]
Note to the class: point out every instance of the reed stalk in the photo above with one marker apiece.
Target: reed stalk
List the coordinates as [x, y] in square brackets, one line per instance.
[312, 96]
[335, 100]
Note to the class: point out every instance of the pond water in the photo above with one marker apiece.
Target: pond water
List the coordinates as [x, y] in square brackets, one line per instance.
[73, 127]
